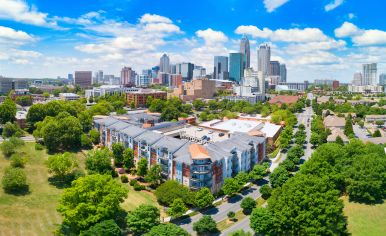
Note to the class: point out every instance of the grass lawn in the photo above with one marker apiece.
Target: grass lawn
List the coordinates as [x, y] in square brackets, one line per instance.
[34, 213]
[365, 219]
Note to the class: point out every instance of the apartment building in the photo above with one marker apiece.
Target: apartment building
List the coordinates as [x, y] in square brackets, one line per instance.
[191, 164]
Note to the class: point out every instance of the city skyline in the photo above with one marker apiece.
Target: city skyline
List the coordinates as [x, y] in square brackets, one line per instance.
[53, 39]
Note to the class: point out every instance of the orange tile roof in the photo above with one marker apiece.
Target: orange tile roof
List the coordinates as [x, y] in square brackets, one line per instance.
[198, 151]
[287, 99]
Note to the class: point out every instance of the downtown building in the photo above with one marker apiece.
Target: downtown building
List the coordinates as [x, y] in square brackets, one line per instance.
[128, 76]
[220, 70]
[192, 164]
[236, 67]
[264, 59]
[367, 81]
[83, 79]
[246, 52]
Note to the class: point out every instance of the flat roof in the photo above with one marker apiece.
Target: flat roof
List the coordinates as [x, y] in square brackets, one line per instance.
[233, 125]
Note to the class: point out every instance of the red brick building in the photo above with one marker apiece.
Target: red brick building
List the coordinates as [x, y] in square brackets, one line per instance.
[139, 98]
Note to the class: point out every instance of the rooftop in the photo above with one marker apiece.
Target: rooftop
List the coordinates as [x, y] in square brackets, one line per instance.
[334, 121]
[281, 99]
[233, 125]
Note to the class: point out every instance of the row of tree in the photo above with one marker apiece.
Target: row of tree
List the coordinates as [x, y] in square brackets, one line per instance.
[309, 203]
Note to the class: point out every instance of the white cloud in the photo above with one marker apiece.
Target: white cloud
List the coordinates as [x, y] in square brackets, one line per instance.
[346, 30]
[316, 58]
[351, 16]
[153, 18]
[284, 35]
[330, 44]
[11, 35]
[211, 36]
[361, 37]
[332, 5]
[20, 11]
[271, 5]
[85, 19]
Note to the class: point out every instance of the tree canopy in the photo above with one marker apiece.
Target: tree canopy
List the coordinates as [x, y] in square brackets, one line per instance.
[142, 219]
[167, 230]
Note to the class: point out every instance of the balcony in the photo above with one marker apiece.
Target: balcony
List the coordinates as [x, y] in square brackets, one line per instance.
[201, 171]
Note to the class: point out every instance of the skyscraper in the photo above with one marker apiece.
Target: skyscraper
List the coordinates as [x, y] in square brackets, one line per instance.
[236, 64]
[245, 50]
[357, 79]
[274, 68]
[199, 72]
[283, 73]
[263, 59]
[369, 74]
[127, 76]
[98, 77]
[220, 67]
[186, 70]
[164, 64]
[382, 79]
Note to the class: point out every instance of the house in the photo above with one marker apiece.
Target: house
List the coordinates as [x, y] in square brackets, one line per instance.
[335, 132]
[334, 122]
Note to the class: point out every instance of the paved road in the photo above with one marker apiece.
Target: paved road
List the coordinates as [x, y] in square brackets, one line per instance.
[361, 133]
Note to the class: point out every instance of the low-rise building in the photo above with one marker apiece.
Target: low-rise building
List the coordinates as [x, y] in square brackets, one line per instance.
[191, 164]
[375, 118]
[197, 88]
[21, 119]
[334, 122]
[284, 99]
[69, 96]
[335, 133]
[365, 88]
[139, 98]
[104, 90]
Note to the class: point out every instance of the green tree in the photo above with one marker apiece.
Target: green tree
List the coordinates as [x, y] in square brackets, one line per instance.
[7, 111]
[240, 232]
[103, 228]
[99, 161]
[85, 119]
[339, 141]
[242, 177]
[80, 211]
[377, 133]
[11, 129]
[231, 215]
[167, 230]
[248, 204]
[153, 176]
[24, 100]
[203, 198]
[94, 136]
[348, 129]
[258, 172]
[170, 190]
[14, 180]
[288, 165]
[230, 187]
[198, 104]
[279, 176]
[61, 165]
[265, 191]
[206, 225]
[85, 141]
[118, 150]
[315, 139]
[170, 113]
[8, 148]
[142, 167]
[128, 159]
[142, 219]
[262, 221]
[177, 208]
[295, 153]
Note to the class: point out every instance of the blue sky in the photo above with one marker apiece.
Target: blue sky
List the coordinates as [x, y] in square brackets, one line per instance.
[315, 38]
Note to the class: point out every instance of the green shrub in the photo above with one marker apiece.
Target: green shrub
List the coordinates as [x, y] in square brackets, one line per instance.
[138, 187]
[39, 147]
[18, 161]
[124, 179]
[133, 182]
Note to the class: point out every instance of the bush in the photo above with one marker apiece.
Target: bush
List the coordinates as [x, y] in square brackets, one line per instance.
[8, 148]
[14, 180]
[124, 179]
[85, 141]
[11, 129]
[39, 147]
[248, 204]
[138, 187]
[133, 182]
[231, 215]
[105, 228]
[18, 161]
[265, 191]
[94, 136]
[114, 174]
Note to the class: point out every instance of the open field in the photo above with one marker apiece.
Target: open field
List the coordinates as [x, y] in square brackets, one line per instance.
[365, 219]
[35, 213]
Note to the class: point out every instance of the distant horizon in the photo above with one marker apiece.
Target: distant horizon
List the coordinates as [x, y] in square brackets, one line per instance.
[327, 39]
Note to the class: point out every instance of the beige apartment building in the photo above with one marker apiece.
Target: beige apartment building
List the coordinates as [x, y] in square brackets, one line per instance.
[198, 88]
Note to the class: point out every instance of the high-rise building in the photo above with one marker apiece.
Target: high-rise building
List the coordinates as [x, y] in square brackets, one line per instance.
[154, 72]
[98, 77]
[245, 50]
[127, 76]
[142, 81]
[220, 68]
[274, 68]
[382, 79]
[173, 69]
[70, 77]
[164, 64]
[199, 72]
[369, 74]
[357, 79]
[83, 78]
[236, 65]
[263, 59]
[186, 70]
[283, 73]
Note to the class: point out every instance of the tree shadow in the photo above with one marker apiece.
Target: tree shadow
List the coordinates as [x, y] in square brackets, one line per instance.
[22, 191]
[59, 183]
[235, 199]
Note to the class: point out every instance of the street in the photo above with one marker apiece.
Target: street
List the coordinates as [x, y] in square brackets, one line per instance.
[220, 212]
